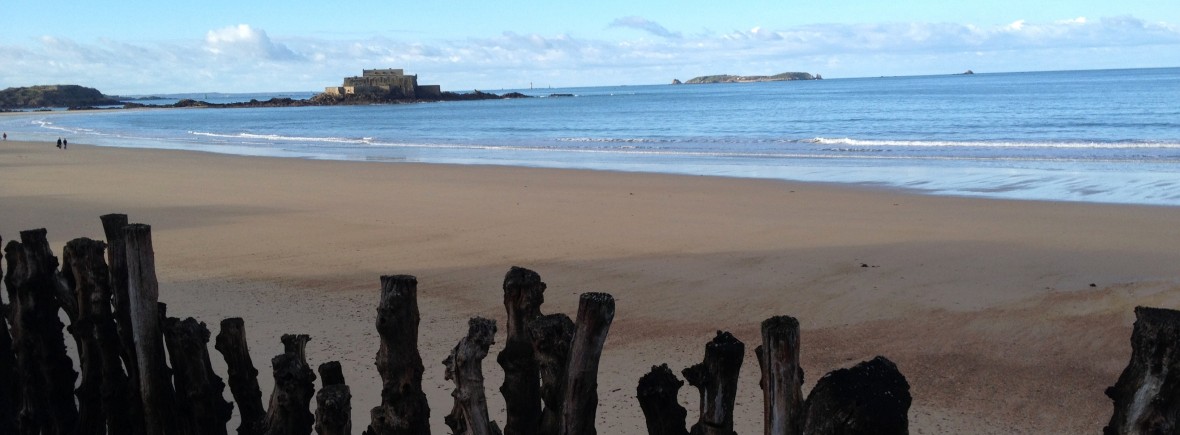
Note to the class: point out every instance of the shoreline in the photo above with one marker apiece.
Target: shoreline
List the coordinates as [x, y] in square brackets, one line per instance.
[986, 305]
[967, 191]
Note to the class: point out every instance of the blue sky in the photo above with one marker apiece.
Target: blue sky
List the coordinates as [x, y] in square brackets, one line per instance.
[138, 47]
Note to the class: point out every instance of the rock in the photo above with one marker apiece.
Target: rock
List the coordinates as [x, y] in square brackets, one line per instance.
[677, 82]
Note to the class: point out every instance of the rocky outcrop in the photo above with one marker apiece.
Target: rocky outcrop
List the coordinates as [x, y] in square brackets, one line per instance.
[33, 97]
[677, 82]
[726, 78]
[326, 99]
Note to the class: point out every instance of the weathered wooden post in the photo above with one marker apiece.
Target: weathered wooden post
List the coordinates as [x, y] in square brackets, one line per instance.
[523, 295]
[333, 412]
[657, 392]
[90, 415]
[716, 379]
[10, 394]
[199, 403]
[870, 397]
[596, 311]
[46, 373]
[112, 225]
[289, 412]
[403, 408]
[143, 296]
[464, 365]
[782, 376]
[243, 377]
[1147, 393]
[552, 335]
[104, 385]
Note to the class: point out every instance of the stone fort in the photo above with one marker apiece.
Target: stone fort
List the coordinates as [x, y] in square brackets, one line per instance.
[385, 82]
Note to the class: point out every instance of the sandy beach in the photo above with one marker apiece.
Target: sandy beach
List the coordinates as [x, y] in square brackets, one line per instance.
[1005, 316]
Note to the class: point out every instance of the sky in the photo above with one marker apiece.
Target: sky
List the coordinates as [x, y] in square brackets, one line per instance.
[135, 47]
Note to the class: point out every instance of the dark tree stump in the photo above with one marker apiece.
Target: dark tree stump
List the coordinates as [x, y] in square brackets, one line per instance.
[523, 295]
[716, 379]
[580, 401]
[871, 397]
[782, 376]
[143, 295]
[657, 392]
[288, 413]
[104, 385]
[333, 412]
[112, 225]
[1147, 394]
[9, 388]
[469, 416]
[403, 407]
[243, 377]
[199, 403]
[552, 335]
[46, 373]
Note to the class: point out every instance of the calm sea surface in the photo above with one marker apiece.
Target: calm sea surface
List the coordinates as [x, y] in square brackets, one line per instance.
[1095, 136]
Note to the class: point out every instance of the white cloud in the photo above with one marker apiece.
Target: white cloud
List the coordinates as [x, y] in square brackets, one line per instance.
[243, 58]
[246, 41]
[645, 25]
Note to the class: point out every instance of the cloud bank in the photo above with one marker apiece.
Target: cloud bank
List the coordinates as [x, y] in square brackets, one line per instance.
[242, 58]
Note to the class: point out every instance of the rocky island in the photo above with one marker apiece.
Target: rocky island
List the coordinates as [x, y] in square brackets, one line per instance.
[726, 78]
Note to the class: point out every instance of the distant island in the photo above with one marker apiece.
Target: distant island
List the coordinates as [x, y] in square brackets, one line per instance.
[726, 78]
[54, 96]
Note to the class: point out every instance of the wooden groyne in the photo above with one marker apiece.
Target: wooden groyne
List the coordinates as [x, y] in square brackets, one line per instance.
[142, 372]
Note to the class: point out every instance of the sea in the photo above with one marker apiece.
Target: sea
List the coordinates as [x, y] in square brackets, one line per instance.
[1103, 136]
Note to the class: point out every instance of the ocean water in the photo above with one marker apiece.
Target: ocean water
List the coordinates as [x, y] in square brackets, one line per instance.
[1095, 136]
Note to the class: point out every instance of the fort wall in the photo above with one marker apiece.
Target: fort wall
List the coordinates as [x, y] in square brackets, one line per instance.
[389, 82]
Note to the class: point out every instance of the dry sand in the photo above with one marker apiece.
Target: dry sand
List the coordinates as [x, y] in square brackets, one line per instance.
[985, 305]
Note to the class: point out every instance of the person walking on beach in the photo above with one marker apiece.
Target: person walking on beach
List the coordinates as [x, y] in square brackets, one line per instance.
[59, 143]
[6, 135]
[65, 144]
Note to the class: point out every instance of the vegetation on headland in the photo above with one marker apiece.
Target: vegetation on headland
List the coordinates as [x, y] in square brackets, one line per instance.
[726, 78]
[33, 97]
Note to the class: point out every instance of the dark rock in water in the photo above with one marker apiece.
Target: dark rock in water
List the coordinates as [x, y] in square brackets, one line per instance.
[1147, 394]
[871, 397]
[677, 82]
[968, 72]
[561, 95]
